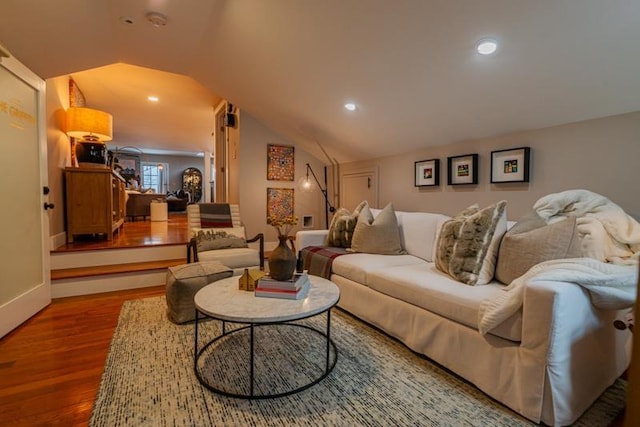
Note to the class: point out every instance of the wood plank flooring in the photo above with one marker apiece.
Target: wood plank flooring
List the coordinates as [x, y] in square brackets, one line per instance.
[136, 234]
[50, 367]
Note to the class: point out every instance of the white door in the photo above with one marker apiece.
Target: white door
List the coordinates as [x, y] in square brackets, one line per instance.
[25, 286]
[359, 186]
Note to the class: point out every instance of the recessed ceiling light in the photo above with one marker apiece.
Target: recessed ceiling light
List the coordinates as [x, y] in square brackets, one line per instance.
[153, 98]
[487, 46]
[350, 106]
[156, 19]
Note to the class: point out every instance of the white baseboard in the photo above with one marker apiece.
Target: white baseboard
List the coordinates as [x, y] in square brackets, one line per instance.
[57, 240]
[114, 282]
[62, 260]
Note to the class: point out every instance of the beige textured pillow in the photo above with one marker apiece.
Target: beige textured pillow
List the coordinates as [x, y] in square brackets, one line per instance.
[379, 236]
[470, 244]
[342, 226]
[220, 238]
[531, 241]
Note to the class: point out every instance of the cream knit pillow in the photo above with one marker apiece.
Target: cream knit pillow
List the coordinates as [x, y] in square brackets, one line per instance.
[379, 236]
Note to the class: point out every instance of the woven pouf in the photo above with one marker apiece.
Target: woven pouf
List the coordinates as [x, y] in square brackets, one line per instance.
[183, 281]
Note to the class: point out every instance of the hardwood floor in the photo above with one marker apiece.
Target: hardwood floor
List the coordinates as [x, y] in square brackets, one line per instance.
[135, 234]
[50, 367]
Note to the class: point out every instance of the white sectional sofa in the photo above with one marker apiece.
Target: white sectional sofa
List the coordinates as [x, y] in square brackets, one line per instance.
[549, 362]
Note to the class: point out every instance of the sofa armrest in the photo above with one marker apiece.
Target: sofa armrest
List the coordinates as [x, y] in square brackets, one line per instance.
[576, 343]
[310, 238]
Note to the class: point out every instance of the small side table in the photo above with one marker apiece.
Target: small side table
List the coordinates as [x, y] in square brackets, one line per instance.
[159, 211]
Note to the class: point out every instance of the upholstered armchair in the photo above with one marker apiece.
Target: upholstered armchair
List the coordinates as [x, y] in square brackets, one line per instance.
[218, 234]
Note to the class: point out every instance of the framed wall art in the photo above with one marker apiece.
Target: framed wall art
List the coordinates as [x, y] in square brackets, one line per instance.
[427, 173]
[279, 203]
[280, 162]
[510, 165]
[462, 169]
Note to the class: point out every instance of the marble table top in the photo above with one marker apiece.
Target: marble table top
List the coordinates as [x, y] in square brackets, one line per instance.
[224, 301]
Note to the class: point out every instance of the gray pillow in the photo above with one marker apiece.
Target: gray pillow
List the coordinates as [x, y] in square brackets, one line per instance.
[342, 226]
[531, 241]
[379, 236]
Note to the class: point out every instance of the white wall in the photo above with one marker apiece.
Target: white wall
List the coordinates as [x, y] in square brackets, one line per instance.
[601, 155]
[254, 138]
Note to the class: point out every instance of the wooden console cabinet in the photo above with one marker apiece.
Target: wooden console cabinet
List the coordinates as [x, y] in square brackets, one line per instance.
[95, 201]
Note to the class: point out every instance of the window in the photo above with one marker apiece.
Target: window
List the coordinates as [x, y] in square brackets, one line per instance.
[155, 176]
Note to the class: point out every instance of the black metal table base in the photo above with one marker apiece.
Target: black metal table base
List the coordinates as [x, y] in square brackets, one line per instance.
[329, 363]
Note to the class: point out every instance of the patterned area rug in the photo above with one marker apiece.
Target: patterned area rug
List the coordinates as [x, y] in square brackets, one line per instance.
[148, 379]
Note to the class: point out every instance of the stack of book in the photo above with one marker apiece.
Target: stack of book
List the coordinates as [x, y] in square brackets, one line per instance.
[295, 288]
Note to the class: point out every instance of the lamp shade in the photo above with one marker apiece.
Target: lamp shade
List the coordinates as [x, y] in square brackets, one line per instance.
[89, 124]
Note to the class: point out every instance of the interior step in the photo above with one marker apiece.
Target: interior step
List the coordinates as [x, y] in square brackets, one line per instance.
[112, 256]
[102, 270]
[95, 271]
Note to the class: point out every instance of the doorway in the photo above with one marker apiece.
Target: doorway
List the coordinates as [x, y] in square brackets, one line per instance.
[359, 185]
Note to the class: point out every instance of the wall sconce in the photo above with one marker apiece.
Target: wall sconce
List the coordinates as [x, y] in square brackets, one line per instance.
[306, 185]
[92, 128]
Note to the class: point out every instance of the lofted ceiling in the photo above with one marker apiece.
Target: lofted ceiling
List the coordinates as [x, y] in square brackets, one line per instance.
[409, 65]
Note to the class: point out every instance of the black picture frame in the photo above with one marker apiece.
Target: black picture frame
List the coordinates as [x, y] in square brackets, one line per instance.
[427, 173]
[511, 165]
[462, 170]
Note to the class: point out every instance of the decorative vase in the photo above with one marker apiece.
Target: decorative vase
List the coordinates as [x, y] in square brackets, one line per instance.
[282, 261]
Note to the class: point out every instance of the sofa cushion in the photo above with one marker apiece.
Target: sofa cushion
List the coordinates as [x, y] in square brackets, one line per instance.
[531, 241]
[423, 285]
[377, 236]
[469, 244]
[342, 226]
[356, 266]
[209, 239]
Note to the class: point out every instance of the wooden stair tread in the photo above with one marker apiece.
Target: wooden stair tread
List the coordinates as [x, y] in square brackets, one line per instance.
[101, 270]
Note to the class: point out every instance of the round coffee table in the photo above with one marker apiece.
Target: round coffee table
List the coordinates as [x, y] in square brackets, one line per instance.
[222, 300]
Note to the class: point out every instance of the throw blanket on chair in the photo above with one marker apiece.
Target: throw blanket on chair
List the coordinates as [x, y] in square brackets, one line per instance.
[611, 287]
[215, 215]
[318, 259]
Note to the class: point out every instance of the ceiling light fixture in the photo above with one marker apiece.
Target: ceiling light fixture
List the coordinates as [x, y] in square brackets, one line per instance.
[350, 106]
[487, 46]
[156, 19]
[153, 98]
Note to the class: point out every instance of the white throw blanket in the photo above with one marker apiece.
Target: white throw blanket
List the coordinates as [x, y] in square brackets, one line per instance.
[608, 237]
[607, 232]
[611, 286]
